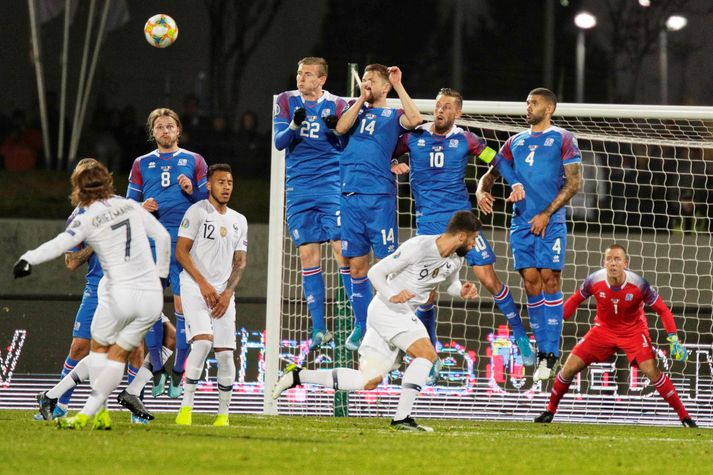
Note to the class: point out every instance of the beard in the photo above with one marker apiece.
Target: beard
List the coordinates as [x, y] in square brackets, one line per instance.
[535, 119]
[462, 250]
[219, 199]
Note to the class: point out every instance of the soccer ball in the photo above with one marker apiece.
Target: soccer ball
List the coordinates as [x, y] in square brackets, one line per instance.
[161, 31]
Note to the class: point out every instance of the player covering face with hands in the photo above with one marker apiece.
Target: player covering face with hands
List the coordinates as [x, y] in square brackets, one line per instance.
[403, 281]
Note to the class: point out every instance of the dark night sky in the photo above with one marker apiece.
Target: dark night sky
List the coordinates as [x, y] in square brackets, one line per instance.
[132, 72]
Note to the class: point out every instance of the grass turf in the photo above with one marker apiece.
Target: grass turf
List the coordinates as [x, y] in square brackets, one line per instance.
[257, 444]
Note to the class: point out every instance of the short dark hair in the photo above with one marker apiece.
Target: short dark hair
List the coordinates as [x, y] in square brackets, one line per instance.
[379, 69]
[314, 60]
[447, 91]
[464, 221]
[618, 246]
[546, 93]
[219, 167]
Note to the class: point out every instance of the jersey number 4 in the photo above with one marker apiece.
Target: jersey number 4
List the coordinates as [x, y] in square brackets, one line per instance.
[530, 159]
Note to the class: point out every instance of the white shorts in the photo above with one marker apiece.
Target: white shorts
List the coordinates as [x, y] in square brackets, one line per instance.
[125, 315]
[199, 320]
[391, 330]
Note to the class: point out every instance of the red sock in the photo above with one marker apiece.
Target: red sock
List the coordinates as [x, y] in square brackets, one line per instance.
[666, 389]
[558, 390]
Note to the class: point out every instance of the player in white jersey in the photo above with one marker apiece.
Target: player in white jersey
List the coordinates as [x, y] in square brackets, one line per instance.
[130, 295]
[403, 281]
[212, 248]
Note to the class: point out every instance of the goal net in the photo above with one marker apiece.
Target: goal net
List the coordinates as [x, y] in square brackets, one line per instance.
[647, 171]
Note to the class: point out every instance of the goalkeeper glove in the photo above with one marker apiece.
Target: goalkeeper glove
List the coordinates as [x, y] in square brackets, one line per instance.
[678, 351]
[298, 117]
[331, 121]
[22, 269]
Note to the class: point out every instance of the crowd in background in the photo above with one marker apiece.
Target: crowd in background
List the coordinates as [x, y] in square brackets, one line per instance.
[116, 136]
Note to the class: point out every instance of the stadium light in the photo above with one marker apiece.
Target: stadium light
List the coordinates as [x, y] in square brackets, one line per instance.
[672, 23]
[645, 3]
[584, 21]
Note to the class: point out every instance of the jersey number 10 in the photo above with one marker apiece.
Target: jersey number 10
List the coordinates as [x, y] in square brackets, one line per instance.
[437, 159]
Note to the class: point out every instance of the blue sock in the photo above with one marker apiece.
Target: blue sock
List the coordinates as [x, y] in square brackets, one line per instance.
[536, 314]
[507, 306]
[131, 373]
[346, 281]
[313, 287]
[427, 315]
[182, 346]
[154, 340]
[69, 365]
[554, 308]
[361, 297]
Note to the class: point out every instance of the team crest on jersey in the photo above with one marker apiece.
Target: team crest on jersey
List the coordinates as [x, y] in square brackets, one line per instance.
[182, 161]
[549, 141]
[185, 223]
[223, 231]
[152, 164]
[453, 143]
[421, 142]
[629, 297]
[386, 113]
[326, 112]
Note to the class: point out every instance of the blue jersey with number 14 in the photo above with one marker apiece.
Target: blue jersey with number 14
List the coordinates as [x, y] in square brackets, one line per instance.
[155, 175]
[365, 165]
[538, 159]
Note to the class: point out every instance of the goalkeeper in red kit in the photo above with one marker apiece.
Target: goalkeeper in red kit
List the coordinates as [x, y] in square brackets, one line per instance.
[620, 324]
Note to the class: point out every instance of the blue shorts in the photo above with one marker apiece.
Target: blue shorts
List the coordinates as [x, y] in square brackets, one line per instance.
[369, 221]
[482, 253]
[313, 218]
[85, 313]
[174, 268]
[530, 251]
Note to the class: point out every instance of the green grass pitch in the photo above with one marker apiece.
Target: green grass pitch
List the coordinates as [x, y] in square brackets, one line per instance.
[288, 445]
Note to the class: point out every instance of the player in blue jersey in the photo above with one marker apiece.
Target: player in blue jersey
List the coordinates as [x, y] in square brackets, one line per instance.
[438, 156]
[368, 186]
[547, 161]
[303, 124]
[168, 181]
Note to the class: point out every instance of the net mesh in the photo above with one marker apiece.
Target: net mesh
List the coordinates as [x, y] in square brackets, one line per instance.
[646, 186]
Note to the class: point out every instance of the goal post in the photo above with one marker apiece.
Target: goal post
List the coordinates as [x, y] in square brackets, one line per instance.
[647, 173]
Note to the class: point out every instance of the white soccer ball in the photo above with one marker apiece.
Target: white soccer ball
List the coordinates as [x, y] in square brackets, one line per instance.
[161, 31]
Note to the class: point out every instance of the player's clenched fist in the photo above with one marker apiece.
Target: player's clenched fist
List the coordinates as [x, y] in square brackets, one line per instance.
[185, 183]
[469, 291]
[299, 116]
[401, 297]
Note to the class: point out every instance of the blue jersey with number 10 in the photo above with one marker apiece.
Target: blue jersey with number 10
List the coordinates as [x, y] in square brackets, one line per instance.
[365, 165]
[312, 157]
[155, 175]
[538, 159]
[438, 165]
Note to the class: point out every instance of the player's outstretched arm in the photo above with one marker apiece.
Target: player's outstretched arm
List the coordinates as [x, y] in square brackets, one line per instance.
[571, 305]
[394, 263]
[46, 252]
[572, 185]
[485, 186]
[412, 117]
[240, 261]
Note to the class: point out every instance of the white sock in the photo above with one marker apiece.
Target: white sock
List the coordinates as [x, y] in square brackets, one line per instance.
[108, 380]
[340, 378]
[145, 373]
[79, 374]
[226, 377]
[95, 364]
[194, 368]
[414, 378]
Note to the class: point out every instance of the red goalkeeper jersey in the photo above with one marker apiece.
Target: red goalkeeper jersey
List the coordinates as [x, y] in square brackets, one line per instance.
[620, 309]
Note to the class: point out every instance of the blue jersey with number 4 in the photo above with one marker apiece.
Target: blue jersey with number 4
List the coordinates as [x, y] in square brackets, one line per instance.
[438, 164]
[312, 157]
[365, 165]
[538, 159]
[155, 175]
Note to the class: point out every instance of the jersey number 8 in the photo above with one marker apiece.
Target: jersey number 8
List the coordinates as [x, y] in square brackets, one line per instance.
[165, 179]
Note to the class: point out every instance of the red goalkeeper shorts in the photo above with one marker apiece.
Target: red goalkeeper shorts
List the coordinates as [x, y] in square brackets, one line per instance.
[599, 344]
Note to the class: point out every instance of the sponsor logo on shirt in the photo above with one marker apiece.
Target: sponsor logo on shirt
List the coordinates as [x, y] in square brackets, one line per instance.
[296, 234]
[602, 294]
[421, 143]
[152, 164]
[549, 141]
[520, 143]
[386, 113]
[453, 143]
[182, 161]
